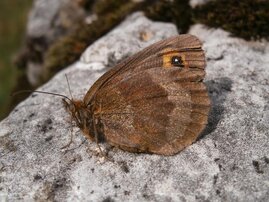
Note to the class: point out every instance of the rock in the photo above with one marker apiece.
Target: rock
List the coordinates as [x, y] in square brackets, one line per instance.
[41, 18]
[230, 162]
[51, 19]
[48, 21]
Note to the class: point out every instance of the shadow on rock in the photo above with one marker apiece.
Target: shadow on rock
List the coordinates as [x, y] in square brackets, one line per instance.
[217, 90]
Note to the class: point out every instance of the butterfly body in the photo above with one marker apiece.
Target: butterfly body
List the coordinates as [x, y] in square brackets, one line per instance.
[153, 102]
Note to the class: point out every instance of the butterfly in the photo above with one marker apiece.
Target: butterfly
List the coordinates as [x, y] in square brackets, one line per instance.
[152, 102]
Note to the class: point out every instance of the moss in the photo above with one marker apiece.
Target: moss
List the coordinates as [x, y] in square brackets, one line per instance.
[178, 11]
[102, 7]
[247, 19]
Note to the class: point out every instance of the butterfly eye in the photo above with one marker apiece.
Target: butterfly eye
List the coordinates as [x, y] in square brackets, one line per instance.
[177, 61]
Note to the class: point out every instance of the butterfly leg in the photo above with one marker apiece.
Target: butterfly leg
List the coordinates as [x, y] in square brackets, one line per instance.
[96, 136]
[96, 140]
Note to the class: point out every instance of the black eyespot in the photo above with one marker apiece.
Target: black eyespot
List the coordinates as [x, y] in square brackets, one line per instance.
[177, 61]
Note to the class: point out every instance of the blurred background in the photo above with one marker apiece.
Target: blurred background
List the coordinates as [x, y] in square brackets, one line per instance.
[38, 38]
[13, 18]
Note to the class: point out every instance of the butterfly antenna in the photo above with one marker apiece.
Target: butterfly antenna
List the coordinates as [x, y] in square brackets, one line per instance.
[69, 89]
[43, 92]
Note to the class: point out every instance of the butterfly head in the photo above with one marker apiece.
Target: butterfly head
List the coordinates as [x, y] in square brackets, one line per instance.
[81, 114]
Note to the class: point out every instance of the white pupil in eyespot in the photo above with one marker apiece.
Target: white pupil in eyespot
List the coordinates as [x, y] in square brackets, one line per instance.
[176, 60]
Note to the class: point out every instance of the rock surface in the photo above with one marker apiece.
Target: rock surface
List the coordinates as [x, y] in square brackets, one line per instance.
[230, 162]
[48, 21]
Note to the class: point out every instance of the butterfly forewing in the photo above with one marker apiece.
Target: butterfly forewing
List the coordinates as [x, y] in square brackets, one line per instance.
[154, 101]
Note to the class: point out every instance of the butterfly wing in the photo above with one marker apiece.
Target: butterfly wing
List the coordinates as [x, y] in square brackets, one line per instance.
[152, 102]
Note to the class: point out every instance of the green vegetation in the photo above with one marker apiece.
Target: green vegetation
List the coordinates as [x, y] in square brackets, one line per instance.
[178, 12]
[13, 16]
[247, 19]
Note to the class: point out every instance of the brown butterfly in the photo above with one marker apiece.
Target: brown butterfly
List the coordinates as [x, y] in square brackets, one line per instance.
[152, 102]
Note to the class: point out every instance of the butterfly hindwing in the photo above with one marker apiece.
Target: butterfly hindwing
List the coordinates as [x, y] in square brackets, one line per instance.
[155, 101]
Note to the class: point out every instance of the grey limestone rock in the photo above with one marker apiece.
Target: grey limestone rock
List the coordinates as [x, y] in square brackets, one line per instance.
[229, 162]
[48, 21]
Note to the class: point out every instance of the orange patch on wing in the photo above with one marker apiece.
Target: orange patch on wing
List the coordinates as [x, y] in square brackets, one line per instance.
[167, 59]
